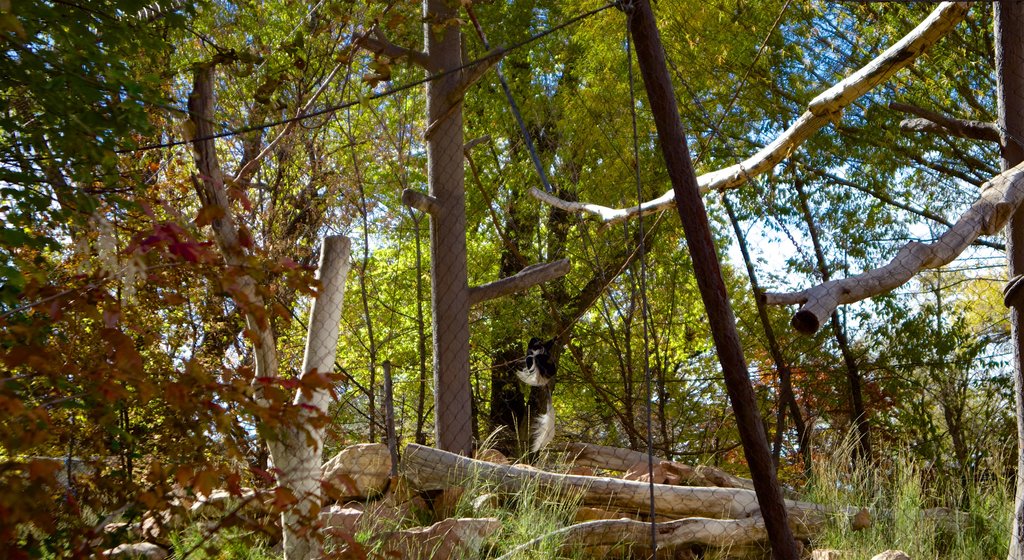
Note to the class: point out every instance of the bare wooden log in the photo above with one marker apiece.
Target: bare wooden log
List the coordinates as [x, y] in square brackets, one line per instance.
[524, 279]
[690, 531]
[823, 109]
[432, 469]
[619, 459]
[934, 122]
[1000, 196]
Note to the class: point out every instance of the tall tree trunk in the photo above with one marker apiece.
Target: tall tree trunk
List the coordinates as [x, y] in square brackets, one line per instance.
[421, 337]
[860, 415]
[300, 454]
[1009, 43]
[450, 293]
[653, 68]
[787, 397]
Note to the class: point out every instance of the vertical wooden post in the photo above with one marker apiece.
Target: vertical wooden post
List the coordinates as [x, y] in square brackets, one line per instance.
[389, 417]
[1009, 44]
[450, 293]
[651, 57]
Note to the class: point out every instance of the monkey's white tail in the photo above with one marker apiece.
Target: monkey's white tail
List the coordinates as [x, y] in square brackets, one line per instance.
[544, 430]
[532, 377]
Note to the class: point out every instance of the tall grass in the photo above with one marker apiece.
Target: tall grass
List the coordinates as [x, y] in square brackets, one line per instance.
[924, 515]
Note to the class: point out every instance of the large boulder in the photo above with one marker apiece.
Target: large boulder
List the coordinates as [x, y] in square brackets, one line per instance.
[358, 471]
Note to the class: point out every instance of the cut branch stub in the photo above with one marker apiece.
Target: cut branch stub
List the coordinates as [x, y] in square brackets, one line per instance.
[1000, 196]
[422, 202]
[524, 279]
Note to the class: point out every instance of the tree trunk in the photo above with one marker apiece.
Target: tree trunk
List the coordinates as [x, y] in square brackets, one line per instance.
[860, 418]
[421, 338]
[1009, 43]
[450, 290]
[787, 397]
[299, 455]
[651, 58]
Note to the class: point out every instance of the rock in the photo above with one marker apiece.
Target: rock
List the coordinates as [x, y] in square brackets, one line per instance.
[361, 470]
[861, 519]
[829, 554]
[444, 540]
[345, 519]
[219, 500]
[149, 551]
[639, 472]
[446, 503]
[582, 470]
[485, 503]
[666, 472]
[491, 456]
[891, 555]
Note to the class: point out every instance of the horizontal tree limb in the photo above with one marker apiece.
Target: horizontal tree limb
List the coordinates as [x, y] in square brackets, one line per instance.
[1000, 196]
[523, 280]
[475, 142]
[432, 469]
[820, 111]
[937, 123]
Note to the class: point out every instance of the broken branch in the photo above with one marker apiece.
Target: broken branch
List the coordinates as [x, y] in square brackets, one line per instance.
[422, 202]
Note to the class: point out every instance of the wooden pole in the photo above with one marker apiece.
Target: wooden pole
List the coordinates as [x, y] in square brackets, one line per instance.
[450, 293]
[651, 58]
[1009, 44]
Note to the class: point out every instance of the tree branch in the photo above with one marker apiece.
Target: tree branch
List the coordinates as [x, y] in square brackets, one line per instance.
[523, 280]
[375, 42]
[822, 109]
[937, 123]
[209, 185]
[1000, 196]
[250, 166]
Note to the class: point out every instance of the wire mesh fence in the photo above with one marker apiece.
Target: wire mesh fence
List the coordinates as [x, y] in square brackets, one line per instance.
[622, 353]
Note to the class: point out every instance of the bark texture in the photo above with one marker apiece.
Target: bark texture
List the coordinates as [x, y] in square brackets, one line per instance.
[450, 289]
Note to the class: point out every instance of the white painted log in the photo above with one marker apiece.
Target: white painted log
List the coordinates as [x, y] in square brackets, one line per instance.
[299, 452]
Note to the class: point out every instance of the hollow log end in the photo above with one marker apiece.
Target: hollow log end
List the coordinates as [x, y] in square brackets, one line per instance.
[805, 322]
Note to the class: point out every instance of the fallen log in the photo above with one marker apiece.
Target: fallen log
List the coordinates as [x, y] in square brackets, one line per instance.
[432, 469]
[731, 533]
[619, 459]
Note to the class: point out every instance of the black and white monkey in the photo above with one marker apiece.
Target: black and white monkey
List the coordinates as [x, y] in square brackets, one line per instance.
[538, 370]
